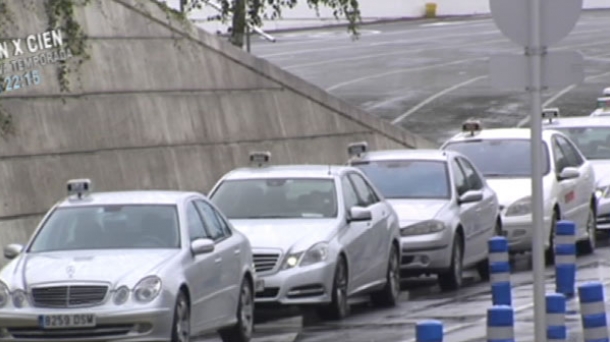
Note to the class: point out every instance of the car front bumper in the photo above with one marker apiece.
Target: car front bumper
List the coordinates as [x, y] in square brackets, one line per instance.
[298, 286]
[427, 253]
[127, 325]
[519, 232]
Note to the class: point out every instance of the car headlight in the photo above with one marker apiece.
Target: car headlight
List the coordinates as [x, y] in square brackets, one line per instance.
[317, 253]
[147, 289]
[520, 207]
[19, 298]
[603, 192]
[421, 228]
[4, 294]
[121, 295]
[292, 260]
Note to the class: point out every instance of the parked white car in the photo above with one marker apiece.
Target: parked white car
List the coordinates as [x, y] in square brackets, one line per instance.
[128, 266]
[503, 156]
[447, 211]
[320, 234]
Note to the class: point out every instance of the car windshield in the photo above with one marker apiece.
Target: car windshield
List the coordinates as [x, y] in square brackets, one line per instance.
[276, 198]
[109, 227]
[501, 157]
[593, 142]
[408, 178]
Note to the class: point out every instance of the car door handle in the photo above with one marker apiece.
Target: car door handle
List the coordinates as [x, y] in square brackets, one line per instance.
[218, 260]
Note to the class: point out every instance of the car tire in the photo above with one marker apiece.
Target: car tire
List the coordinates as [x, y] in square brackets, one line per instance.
[550, 252]
[181, 326]
[242, 330]
[339, 307]
[388, 297]
[451, 279]
[588, 246]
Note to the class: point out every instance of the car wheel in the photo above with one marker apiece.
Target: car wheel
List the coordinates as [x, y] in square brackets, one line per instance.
[181, 327]
[391, 291]
[452, 278]
[588, 246]
[242, 330]
[550, 252]
[339, 307]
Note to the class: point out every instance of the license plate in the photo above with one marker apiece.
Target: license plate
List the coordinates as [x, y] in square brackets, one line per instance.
[66, 321]
[260, 285]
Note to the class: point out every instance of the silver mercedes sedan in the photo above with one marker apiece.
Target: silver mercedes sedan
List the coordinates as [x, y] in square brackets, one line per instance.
[320, 234]
[128, 266]
[446, 209]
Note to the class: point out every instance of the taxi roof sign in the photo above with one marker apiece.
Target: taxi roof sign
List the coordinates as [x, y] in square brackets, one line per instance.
[260, 158]
[550, 113]
[606, 91]
[603, 102]
[472, 126]
[357, 149]
[78, 187]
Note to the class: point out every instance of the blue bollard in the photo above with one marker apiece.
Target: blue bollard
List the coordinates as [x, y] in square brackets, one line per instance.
[593, 312]
[556, 330]
[500, 324]
[565, 258]
[429, 331]
[499, 271]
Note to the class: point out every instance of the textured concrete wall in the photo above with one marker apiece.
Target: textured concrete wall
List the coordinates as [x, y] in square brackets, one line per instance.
[160, 106]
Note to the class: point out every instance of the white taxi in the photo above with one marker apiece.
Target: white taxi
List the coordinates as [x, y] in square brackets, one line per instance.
[503, 156]
[603, 106]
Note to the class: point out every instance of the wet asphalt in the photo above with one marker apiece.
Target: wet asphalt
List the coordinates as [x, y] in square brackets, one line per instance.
[429, 76]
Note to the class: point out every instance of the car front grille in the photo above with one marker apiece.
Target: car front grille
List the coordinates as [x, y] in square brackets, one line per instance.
[265, 262]
[69, 296]
[100, 331]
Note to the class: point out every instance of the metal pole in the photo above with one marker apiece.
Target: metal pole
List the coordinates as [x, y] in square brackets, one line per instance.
[248, 34]
[538, 262]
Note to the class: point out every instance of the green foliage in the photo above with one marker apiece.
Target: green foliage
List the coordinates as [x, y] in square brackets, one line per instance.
[259, 10]
[6, 123]
[60, 15]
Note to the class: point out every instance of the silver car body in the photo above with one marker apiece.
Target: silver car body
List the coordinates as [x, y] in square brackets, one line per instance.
[568, 191]
[277, 241]
[476, 221]
[597, 151]
[211, 277]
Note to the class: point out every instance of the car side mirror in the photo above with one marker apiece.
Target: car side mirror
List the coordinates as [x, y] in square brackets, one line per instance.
[471, 197]
[11, 251]
[202, 246]
[359, 214]
[568, 173]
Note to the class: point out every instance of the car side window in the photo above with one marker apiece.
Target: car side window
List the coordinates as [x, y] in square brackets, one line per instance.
[209, 216]
[573, 156]
[195, 223]
[349, 194]
[459, 179]
[474, 180]
[223, 223]
[561, 161]
[365, 193]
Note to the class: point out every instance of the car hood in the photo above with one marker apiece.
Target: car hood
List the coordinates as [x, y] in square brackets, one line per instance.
[285, 234]
[510, 190]
[415, 210]
[602, 171]
[114, 266]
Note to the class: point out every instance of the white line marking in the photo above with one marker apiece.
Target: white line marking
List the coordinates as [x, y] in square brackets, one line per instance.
[434, 97]
[564, 91]
[398, 71]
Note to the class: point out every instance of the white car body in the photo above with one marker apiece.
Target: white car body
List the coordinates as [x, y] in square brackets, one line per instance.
[571, 198]
[595, 145]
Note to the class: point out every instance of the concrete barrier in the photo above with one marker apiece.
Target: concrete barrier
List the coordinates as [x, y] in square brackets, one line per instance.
[159, 105]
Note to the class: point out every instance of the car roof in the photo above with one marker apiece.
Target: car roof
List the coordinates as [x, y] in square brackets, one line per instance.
[288, 171]
[499, 133]
[578, 121]
[422, 154]
[151, 197]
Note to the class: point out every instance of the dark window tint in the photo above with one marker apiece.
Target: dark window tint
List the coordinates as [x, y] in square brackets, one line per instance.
[109, 227]
[500, 157]
[365, 193]
[474, 181]
[461, 184]
[211, 221]
[276, 198]
[196, 227]
[408, 178]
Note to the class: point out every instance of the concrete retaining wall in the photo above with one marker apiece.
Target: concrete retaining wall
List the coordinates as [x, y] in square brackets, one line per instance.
[303, 17]
[160, 105]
